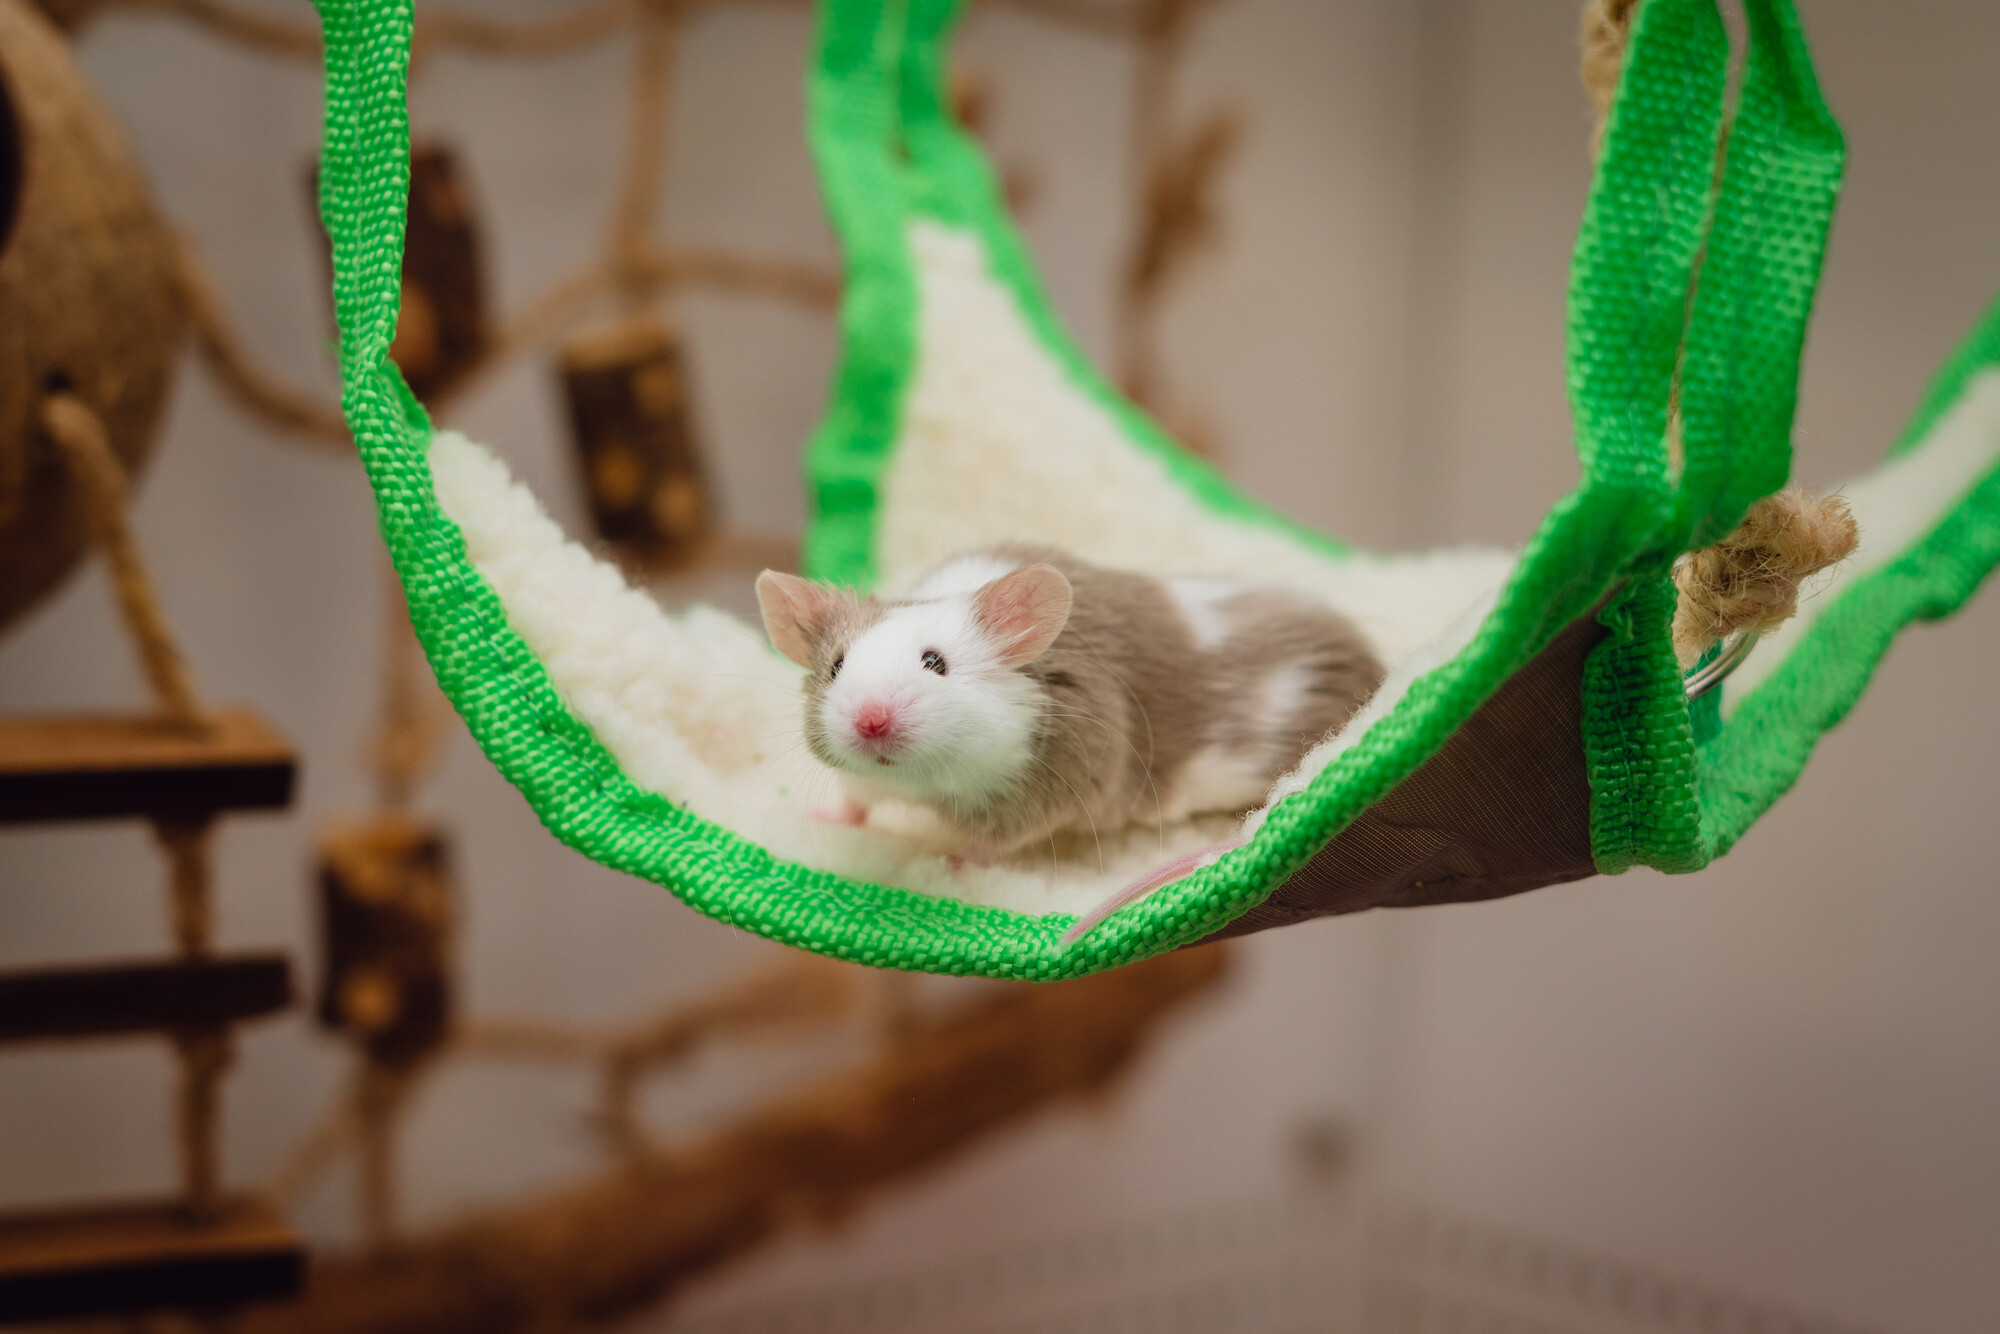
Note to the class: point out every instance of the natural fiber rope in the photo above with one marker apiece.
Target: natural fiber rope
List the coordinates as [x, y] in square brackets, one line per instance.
[648, 102]
[301, 413]
[79, 433]
[186, 845]
[578, 26]
[202, 1055]
[1169, 191]
[1607, 24]
[412, 723]
[1751, 579]
[381, 1092]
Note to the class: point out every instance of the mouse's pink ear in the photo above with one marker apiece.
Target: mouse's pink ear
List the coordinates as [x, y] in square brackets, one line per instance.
[1025, 611]
[796, 612]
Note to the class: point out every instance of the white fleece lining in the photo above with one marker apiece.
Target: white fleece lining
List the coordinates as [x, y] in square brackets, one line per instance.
[1895, 506]
[997, 445]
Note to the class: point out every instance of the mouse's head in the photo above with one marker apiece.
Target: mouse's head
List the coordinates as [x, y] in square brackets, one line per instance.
[925, 695]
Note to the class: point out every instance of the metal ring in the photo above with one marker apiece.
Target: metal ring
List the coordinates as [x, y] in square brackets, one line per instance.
[1700, 680]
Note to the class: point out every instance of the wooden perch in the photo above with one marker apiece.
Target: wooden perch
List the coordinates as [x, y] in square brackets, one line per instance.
[106, 1259]
[636, 1234]
[105, 1000]
[102, 766]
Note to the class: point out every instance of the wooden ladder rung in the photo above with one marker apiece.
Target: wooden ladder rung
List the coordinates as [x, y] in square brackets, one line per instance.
[106, 1259]
[101, 1000]
[100, 766]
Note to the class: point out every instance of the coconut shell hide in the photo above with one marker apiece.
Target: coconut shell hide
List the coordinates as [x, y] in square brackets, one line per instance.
[88, 298]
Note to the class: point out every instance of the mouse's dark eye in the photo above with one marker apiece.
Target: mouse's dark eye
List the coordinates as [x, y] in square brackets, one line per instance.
[934, 661]
[834, 670]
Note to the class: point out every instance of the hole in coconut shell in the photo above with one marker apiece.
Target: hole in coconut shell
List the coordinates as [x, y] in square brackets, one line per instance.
[10, 164]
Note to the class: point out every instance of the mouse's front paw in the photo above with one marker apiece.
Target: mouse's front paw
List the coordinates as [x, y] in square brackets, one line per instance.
[850, 813]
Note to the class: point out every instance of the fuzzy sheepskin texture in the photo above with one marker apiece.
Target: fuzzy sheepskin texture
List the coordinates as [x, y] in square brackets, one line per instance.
[997, 445]
[1895, 506]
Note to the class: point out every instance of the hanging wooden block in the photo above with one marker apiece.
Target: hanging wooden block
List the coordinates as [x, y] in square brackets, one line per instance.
[441, 331]
[386, 925]
[633, 428]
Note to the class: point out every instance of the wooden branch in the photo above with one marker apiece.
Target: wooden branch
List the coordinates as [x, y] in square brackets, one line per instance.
[1092, 16]
[314, 1152]
[802, 990]
[476, 34]
[99, 766]
[661, 268]
[807, 284]
[256, 29]
[635, 1235]
[104, 1000]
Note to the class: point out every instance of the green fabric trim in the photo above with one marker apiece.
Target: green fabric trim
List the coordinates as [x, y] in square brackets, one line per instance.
[1764, 745]
[1758, 270]
[852, 128]
[888, 153]
[1757, 281]
[1628, 306]
[1980, 350]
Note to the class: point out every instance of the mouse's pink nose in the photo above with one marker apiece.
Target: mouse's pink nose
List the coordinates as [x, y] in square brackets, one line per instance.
[875, 725]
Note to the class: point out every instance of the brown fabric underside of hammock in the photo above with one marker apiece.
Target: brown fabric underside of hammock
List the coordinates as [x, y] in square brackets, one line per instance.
[1504, 807]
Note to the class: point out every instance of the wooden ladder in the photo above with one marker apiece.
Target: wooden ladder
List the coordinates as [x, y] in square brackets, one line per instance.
[205, 1249]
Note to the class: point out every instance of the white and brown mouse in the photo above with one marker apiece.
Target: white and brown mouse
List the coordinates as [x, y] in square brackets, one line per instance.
[1021, 692]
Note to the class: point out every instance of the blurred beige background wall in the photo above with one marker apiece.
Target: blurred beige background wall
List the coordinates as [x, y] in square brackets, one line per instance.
[1781, 1074]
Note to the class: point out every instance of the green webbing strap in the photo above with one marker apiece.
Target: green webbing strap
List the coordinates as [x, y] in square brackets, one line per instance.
[1757, 275]
[1763, 747]
[1635, 252]
[853, 127]
[1980, 351]
[1635, 258]
[1747, 335]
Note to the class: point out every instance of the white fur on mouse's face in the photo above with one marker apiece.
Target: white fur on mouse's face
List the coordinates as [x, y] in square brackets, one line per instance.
[924, 695]
[925, 701]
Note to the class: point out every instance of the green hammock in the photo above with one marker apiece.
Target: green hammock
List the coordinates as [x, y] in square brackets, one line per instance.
[1540, 736]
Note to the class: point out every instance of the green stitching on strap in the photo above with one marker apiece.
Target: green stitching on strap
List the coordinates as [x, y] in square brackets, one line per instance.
[1764, 746]
[1757, 284]
[1980, 350]
[854, 133]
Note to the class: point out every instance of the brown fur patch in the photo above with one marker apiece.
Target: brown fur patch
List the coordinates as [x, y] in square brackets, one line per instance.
[1128, 696]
